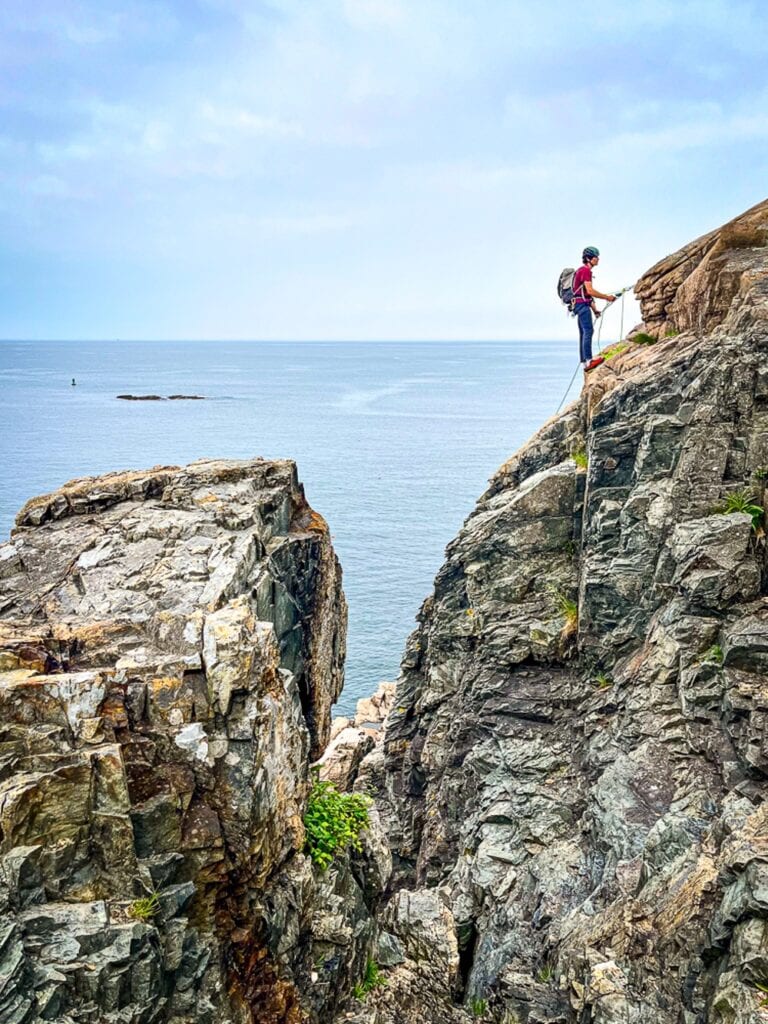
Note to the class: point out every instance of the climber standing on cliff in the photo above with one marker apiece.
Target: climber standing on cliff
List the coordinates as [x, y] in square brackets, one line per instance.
[584, 295]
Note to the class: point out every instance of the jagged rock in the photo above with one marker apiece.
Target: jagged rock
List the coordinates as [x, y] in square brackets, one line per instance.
[171, 643]
[576, 757]
[350, 743]
[373, 710]
[342, 758]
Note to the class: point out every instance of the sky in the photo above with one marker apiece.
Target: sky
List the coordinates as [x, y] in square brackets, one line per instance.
[361, 169]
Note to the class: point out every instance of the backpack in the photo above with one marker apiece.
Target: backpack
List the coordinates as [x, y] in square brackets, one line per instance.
[565, 287]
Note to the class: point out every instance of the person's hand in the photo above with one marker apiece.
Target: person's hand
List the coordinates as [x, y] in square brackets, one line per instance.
[613, 298]
[597, 313]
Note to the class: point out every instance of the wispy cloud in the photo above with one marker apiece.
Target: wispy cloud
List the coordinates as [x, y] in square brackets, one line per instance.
[367, 164]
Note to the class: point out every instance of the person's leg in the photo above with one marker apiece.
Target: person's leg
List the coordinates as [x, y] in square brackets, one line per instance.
[586, 328]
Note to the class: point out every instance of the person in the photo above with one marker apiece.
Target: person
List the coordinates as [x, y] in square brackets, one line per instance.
[584, 295]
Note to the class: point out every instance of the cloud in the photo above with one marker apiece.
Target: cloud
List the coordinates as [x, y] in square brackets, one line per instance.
[247, 122]
[433, 160]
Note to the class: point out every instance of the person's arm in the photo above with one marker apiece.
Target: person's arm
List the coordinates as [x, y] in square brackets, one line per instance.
[595, 294]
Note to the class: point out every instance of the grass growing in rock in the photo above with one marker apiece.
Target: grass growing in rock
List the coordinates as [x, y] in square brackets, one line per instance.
[372, 978]
[565, 606]
[602, 681]
[580, 458]
[641, 338]
[545, 974]
[713, 655]
[144, 908]
[334, 821]
[762, 986]
[478, 1007]
[740, 501]
[615, 350]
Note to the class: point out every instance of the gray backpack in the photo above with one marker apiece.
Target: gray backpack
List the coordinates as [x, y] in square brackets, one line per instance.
[565, 287]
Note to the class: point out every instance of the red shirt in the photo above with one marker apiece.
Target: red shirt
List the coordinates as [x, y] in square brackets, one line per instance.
[582, 275]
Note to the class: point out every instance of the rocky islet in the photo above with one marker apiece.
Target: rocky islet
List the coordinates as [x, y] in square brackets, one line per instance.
[569, 820]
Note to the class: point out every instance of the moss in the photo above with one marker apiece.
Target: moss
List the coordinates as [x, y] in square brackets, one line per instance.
[615, 350]
[714, 655]
[641, 338]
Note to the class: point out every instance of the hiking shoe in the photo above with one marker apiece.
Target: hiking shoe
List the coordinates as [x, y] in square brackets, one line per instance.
[593, 363]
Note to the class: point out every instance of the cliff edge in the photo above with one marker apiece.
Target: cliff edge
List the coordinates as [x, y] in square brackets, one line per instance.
[573, 776]
[171, 642]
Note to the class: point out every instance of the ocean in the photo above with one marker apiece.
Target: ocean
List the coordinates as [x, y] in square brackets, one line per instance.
[394, 441]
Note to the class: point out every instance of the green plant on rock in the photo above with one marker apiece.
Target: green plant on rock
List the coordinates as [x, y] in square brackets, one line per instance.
[580, 458]
[565, 606]
[761, 472]
[372, 978]
[334, 821]
[713, 654]
[545, 974]
[615, 350]
[144, 908]
[603, 681]
[740, 501]
[641, 338]
[762, 986]
[671, 333]
[478, 1007]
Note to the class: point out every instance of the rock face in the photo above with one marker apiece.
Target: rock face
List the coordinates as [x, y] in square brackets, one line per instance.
[171, 642]
[573, 776]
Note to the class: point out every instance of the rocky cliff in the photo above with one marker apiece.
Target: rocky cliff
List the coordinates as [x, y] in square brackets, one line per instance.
[573, 776]
[572, 772]
[171, 643]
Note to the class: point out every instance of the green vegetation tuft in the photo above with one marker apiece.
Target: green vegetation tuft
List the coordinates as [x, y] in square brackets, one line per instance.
[479, 1006]
[334, 821]
[641, 338]
[565, 606]
[761, 472]
[762, 986]
[545, 974]
[603, 681]
[713, 654]
[671, 333]
[615, 350]
[740, 501]
[580, 458]
[372, 978]
[144, 908]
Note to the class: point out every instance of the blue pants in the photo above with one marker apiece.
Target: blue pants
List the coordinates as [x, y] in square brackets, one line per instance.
[586, 327]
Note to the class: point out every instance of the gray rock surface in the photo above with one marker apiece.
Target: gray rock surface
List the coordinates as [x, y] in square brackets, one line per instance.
[171, 643]
[575, 766]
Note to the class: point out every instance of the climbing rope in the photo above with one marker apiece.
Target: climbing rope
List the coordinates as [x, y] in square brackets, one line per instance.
[622, 293]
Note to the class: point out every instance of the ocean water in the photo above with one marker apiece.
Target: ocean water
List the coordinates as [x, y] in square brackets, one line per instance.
[394, 441]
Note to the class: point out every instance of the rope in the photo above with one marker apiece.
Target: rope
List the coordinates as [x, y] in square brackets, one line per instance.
[573, 378]
[623, 292]
[621, 329]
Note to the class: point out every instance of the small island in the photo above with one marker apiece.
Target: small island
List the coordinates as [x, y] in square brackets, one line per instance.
[161, 398]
